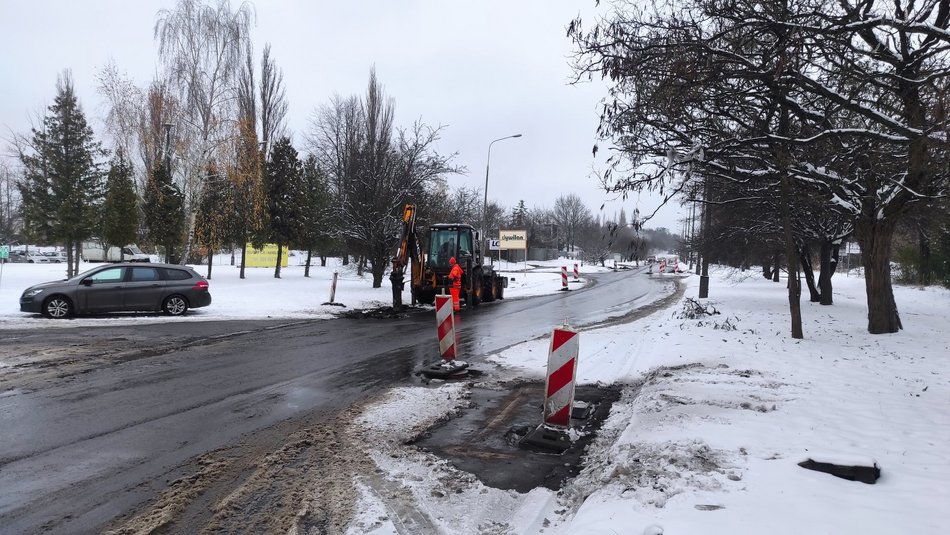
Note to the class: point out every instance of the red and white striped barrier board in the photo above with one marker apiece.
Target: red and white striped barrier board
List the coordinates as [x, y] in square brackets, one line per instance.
[445, 320]
[577, 273]
[562, 369]
[662, 266]
[563, 276]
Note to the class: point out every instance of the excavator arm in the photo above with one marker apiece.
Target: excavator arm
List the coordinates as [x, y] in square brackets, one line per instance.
[408, 254]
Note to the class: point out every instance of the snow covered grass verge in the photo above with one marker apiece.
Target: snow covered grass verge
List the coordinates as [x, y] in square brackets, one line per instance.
[709, 439]
[719, 406]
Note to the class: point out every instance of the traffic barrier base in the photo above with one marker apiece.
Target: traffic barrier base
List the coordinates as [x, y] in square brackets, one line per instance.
[547, 439]
[553, 438]
[444, 369]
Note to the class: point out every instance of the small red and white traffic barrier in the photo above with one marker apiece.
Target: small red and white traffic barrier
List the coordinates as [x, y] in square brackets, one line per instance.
[447, 366]
[662, 266]
[563, 278]
[445, 320]
[558, 394]
[562, 371]
[577, 273]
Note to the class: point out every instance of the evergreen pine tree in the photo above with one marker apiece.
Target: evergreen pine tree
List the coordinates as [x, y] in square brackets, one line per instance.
[212, 226]
[62, 186]
[282, 184]
[120, 217]
[519, 215]
[164, 207]
[316, 230]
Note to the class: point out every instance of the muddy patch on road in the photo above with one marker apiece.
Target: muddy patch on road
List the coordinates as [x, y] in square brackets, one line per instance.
[484, 439]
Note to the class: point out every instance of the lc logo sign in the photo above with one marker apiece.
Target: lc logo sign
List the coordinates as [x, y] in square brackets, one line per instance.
[494, 244]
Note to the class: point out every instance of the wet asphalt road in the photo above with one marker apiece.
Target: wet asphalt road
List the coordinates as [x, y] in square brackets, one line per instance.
[78, 451]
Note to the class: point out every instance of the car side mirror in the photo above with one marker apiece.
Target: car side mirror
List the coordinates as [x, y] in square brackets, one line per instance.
[86, 282]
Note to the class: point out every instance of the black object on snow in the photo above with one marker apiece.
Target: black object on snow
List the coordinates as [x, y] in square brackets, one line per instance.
[864, 474]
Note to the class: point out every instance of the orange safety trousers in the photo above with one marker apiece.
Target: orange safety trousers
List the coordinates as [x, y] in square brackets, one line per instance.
[455, 297]
[455, 275]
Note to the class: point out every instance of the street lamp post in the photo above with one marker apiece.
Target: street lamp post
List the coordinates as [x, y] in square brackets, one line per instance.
[168, 142]
[487, 166]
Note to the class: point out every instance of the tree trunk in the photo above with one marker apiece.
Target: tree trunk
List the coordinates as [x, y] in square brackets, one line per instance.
[280, 255]
[378, 270]
[707, 239]
[776, 266]
[794, 292]
[804, 257]
[243, 257]
[925, 266]
[875, 237]
[210, 259]
[188, 238]
[826, 254]
[766, 270]
[323, 260]
[306, 269]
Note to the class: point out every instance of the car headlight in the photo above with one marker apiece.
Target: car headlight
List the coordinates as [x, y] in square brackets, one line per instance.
[32, 292]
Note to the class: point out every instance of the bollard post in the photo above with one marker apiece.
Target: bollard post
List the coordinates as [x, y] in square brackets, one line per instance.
[576, 273]
[333, 287]
[563, 278]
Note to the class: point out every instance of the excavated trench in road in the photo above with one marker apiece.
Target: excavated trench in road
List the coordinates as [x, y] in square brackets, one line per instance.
[483, 440]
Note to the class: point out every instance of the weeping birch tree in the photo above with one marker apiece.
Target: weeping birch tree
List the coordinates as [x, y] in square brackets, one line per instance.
[202, 47]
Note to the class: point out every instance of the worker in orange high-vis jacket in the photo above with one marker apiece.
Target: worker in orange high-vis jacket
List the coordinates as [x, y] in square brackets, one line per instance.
[455, 275]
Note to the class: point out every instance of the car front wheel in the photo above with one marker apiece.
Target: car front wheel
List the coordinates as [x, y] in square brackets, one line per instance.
[57, 307]
[175, 305]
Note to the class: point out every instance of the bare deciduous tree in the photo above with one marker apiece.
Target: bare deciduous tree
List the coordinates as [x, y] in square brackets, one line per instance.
[570, 214]
[747, 92]
[374, 169]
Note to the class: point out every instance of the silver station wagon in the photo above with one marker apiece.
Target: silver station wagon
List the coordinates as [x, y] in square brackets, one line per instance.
[126, 287]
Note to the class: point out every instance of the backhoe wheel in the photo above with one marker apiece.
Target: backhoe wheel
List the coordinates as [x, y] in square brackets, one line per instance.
[476, 292]
[488, 293]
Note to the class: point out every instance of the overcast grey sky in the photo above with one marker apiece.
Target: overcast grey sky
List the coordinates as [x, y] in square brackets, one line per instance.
[483, 69]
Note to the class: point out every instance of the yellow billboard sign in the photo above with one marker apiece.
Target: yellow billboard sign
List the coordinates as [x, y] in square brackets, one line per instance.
[266, 257]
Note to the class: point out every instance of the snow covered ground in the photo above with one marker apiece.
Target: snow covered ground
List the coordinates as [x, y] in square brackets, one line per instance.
[716, 412]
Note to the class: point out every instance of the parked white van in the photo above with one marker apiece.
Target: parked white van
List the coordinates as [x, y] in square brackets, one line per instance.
[95, 252]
